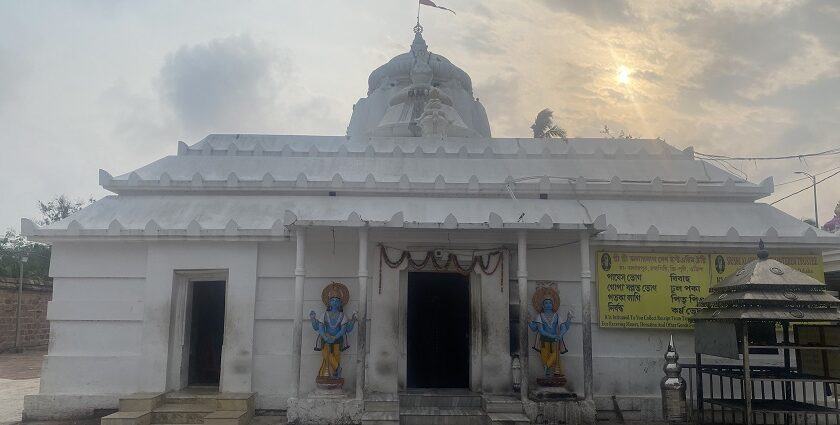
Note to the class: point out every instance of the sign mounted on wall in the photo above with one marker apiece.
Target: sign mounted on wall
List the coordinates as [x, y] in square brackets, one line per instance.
[650, 290]
[661, 290]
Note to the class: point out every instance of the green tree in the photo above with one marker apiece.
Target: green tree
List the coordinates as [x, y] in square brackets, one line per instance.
[545, 128]
[13, 246]
[59, 208]
[621, 135]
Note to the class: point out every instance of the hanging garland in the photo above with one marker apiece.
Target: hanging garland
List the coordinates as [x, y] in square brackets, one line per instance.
[451, 260]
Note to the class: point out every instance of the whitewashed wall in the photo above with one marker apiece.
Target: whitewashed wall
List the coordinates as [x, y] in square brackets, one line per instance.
[95, 318]
[327, 260]
[626, 362]
[112, 306]
[95, 328]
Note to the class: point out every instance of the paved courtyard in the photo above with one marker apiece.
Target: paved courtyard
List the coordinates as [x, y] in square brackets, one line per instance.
[19, 376]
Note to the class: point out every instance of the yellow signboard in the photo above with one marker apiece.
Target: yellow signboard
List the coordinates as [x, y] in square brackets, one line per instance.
[724, 265]
[661, 290]
[650, 290]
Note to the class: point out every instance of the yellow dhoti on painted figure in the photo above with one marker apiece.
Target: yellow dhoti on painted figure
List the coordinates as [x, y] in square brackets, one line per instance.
[330, 359]
[550, 356]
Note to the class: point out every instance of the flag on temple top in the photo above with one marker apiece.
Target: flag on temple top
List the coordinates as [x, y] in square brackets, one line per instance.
[431, 3]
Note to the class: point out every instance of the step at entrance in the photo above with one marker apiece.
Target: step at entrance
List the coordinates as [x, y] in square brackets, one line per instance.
[441, 407]
[505, 410]
[381, 409]
[192, 406]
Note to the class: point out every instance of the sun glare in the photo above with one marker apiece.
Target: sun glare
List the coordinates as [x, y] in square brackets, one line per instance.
[623, 76]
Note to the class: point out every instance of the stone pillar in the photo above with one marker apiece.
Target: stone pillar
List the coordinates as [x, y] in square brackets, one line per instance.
[586, 313]
[297, 335]
[361, 345]
[522, 275]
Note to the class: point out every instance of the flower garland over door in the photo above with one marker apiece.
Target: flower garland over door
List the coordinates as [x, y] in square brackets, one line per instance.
[489, 267]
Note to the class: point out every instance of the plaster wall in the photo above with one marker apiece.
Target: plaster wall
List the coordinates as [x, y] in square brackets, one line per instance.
[327, 260]
[626, 362]
[95, 318]
[112, 307]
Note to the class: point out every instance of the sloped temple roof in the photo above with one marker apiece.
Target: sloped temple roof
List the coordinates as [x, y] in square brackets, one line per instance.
[259, 185]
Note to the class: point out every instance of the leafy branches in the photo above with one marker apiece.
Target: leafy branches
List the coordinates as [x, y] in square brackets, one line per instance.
[621, 135]
[60, 208]
[545, 128]
[14, 246]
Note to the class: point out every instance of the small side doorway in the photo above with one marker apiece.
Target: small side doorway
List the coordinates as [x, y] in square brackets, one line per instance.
[207, 329]
[438, 325]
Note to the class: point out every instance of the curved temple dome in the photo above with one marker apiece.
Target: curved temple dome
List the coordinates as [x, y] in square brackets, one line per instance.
[419, 93]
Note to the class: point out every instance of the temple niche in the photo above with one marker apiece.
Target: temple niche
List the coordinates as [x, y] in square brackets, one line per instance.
[419, 94]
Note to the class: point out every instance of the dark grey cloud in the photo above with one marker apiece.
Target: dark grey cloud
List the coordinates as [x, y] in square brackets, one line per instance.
[595, 11]
[224, 84]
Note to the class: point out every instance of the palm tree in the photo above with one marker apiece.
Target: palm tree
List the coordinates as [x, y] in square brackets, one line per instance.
[545, 128]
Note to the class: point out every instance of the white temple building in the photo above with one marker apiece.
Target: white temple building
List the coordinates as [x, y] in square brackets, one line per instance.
[202, 267]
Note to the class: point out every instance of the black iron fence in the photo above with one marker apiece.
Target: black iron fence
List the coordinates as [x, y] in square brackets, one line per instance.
[777, 398]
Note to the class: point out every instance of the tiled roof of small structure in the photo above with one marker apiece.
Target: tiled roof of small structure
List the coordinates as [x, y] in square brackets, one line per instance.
[768, 290]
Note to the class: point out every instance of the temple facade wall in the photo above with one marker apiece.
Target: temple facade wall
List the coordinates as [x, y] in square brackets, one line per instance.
[114, 320]
[96, 318]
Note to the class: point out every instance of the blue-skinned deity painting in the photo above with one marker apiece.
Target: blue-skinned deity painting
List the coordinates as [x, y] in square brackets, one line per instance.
[332, 332]
[550, 331]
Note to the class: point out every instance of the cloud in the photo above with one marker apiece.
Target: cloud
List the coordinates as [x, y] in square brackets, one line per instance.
[12, 73]
[501, 97]
[238, 85]
[812, 62]
[601, 11]
[227, 84]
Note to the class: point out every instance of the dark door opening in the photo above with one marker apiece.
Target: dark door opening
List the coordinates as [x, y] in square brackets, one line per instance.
[207, 329]
[438, 330]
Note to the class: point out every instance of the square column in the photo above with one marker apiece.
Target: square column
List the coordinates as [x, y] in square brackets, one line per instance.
[297, 333]
[522, 275]
[586, 313]
[361, 345]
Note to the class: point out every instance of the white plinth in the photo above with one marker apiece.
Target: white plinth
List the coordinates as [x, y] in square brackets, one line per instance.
[325, 407]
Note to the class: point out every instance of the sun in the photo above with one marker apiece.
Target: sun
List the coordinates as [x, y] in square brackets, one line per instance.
[623, 76]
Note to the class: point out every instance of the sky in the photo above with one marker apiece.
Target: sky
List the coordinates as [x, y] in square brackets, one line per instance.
[115, 84]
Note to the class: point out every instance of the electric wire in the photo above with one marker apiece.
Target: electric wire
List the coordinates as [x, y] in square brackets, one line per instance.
[804, 189]
[830, 152]
[807, 178]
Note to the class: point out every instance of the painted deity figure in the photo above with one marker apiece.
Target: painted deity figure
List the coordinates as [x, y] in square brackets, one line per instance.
[332, 331]
[550, 331]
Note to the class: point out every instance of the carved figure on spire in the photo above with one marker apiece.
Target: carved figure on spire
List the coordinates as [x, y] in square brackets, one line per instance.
[434, 120]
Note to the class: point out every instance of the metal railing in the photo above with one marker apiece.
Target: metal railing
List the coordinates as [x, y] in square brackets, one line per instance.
[778, 398]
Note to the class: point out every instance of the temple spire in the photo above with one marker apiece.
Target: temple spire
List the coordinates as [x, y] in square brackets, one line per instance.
[419, 44]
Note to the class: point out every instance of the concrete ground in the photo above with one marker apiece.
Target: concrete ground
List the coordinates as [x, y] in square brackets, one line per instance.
[19, 376]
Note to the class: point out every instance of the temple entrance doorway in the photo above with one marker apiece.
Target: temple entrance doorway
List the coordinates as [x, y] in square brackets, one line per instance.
[206, 332]
[438, 330]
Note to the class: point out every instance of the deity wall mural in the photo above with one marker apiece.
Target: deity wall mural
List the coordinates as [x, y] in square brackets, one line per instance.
[549, 336]
[331, 341]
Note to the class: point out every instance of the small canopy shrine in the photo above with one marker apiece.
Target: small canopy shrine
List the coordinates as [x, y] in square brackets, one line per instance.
[740, 317]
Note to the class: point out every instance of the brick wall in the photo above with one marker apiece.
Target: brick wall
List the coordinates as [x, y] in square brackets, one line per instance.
[35, 330]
